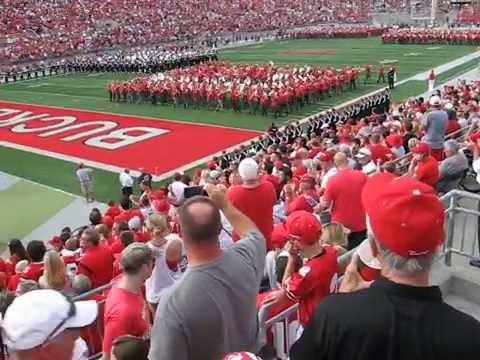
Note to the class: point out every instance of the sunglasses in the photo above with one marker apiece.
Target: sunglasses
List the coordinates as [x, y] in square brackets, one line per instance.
[71, 313]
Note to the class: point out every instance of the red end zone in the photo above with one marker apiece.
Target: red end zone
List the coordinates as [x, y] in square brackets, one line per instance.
[112, 141]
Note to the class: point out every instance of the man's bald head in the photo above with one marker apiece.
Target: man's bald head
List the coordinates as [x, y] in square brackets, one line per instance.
[340, 160]
[200, 220]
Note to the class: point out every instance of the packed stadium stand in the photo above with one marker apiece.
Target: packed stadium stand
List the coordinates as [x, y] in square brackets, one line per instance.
[61, 28]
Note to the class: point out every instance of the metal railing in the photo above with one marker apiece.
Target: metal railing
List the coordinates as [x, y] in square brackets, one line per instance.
[461, 224]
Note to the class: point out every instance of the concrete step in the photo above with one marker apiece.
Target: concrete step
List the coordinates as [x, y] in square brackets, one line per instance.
[463, 305]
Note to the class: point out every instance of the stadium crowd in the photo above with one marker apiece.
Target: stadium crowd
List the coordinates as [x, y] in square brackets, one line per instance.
[60, 28]
[432, 36]
[277, 217]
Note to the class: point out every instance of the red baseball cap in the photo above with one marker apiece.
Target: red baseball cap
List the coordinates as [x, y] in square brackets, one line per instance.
[475, 136]
[211, 165]
[325, 156]
[107, 220]
[56, 240]
[421, 148]
[405, 214]
[279, 236]
[305, 226]
[395, 140]
[162, 206]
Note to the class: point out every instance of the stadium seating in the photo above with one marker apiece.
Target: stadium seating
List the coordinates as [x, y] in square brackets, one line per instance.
[60, 28]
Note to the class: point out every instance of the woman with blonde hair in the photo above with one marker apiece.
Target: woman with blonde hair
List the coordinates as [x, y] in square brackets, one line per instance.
[335, 234]
[161, 278]
[54, 274]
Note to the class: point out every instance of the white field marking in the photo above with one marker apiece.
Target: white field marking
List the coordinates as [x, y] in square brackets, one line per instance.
[413, 54]
[388, 61]
[442, 68]
[128, 115]
[94, 74]
[434, 47]
[445, 67]
[38, 85]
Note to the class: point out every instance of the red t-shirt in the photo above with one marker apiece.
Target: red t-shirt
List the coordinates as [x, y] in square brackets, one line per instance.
[306, 201]
[313, 282]
[13, 282]
[427, 171]
[10, 264]
[116, 247]
[124, 315]
[275, 180]
[33, 271]
[299, 171]
[453, 126]
[97, 264]
[257, 203]
[344, 189]
[381, 152]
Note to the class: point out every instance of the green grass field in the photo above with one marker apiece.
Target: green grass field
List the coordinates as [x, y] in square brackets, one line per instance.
[26, 206]
[88, 91]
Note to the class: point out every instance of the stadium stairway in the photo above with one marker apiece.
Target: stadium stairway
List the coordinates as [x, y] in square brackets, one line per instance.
[460, 287]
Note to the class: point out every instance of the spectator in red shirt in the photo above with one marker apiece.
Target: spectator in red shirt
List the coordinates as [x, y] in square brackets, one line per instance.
[306, 198]
[379, 151]
[36, 251]
[125, 239]
[268, 176]
[15, 279]
[254, 198]
[424, 167]
[125, 310]
[318, 277]
[17, 253]
[342, 196]
[97, 261]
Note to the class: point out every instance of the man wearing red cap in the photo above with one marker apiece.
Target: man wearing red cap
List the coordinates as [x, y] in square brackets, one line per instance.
[424, 167]
[317, 278]
[399, 316]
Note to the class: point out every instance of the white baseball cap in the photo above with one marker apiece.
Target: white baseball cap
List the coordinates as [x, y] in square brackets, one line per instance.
[363, 152]
[364, 252]
[248, 169]
[41, 315]
[435, 100]
[134, 223]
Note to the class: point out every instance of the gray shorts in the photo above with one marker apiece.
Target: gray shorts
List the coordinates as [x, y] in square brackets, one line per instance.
[86, 186]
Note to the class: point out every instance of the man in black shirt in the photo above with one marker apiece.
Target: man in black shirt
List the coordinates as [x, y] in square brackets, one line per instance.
[399, 316]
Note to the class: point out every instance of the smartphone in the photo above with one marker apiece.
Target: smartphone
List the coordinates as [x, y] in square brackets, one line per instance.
[192, 191]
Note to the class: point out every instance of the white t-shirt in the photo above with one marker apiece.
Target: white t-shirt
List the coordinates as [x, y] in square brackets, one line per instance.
[327, 176]
[162, 276]
[80, 350]
[476, 168]
[225, 236]
[126, 180]
[370, 168]
[271, 267]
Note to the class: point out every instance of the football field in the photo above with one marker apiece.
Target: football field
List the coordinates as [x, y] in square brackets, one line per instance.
[176, 137]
